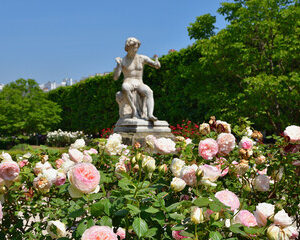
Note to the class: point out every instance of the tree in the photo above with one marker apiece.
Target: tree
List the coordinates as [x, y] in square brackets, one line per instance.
[203, 27]
[24, 109]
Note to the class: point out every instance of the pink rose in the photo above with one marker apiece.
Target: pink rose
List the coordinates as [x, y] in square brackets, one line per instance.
[188, 174]
[246, 143]
[263, 212]
[87, 158]
[176, 235]
[75, 155]
[90, 151]
[221, 162]
[99, 233]
[208, 148]
[229, 199]
[245, 218]
[23, 163]
[164, 145]
[121, 233]
[60, 179]
[9, 170]
[59, 162]
[210, 173]
[84, 177]
[226, 142]
[292, 133]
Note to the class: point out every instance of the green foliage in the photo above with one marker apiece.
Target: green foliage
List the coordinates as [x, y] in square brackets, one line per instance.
[249, 69]
[88, 105]
[203, 27]
[24, 109]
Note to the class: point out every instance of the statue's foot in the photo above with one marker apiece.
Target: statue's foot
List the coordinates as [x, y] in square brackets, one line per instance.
[152, 118]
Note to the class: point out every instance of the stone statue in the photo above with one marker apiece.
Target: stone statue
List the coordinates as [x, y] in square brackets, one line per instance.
[136, 98]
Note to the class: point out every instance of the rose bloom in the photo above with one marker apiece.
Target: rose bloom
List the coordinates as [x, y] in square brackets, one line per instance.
[229, 199]
[85, 177]
[5, 156]
[60, 179]
[59, 162]
[210, 174]
[99, 233]
[226, 142]
[87, 158]
[277, 233]
[220, 162]
[90, 151]
[188, 174]
[150, 139]
[282, 218]
[197, 215]
[262, 183]
[223, 127]
[246, 143]
[60, 229]
[292, 133]
[9, 170]
[176, 166]
[208, 148]
[263, 212]
[23, 163]
[39, 167]
[114, 144]
[204, 128]
[164, 145]
[41, 183]
[50, 174]
[178, 184]
[291, 232]
[245, 218]
[176, 235]
[75, 155]
[79, 143]
[121, 233]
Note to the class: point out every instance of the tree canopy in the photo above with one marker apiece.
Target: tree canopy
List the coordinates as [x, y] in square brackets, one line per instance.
[24, 109]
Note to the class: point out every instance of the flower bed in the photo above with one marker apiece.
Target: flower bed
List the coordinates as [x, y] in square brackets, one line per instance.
[218, 185]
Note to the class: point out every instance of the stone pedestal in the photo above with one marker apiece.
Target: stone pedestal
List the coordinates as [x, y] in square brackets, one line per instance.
[136, 130]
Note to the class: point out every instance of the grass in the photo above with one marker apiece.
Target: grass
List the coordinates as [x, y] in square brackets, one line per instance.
[24, 148]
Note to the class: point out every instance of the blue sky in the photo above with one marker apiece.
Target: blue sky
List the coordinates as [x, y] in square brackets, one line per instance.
[53, 40]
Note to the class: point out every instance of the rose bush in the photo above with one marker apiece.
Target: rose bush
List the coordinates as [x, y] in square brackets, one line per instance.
[224, 183]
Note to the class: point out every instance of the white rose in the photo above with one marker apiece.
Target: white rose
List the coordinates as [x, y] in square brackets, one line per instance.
[275, 233]
[50, 174]
[5, 156]
[39, 167]
[178, 184]
[262, 183]
[75, 155]
[176, 166]
[291, 232]
[148, 163]
[79, 143]
[67, 165]
[263, 212]
[282, 218]
[56, 229]
[197, 215]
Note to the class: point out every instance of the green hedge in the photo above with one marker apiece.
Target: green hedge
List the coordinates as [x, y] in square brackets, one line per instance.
[249, 69]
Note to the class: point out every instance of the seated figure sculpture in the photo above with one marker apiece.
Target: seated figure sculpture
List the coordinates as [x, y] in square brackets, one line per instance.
[135, 94]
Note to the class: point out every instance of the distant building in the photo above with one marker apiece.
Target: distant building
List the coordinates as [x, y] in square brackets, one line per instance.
[1, 86]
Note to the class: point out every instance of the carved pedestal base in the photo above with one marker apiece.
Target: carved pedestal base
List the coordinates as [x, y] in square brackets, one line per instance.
[136, 130]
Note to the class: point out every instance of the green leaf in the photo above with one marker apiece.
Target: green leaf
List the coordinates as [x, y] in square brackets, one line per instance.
[151, 210]
[133, 209]
[106, 221]
[151, 232]
[186, 234]
[215, 236]
[140, 226]
[236, 229]
[177, 216]
[202, 202]
[101, 207]
[77, 213]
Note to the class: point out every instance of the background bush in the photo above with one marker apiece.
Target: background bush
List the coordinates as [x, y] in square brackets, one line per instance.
[249, 69]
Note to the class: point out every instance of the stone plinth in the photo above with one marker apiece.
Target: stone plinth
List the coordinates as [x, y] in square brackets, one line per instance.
[136, 130]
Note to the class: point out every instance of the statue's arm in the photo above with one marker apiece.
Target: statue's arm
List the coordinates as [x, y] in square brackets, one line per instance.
[118, 68]
[150, 62]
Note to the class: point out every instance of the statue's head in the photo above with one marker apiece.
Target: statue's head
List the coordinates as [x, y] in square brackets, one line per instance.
[132, 42]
